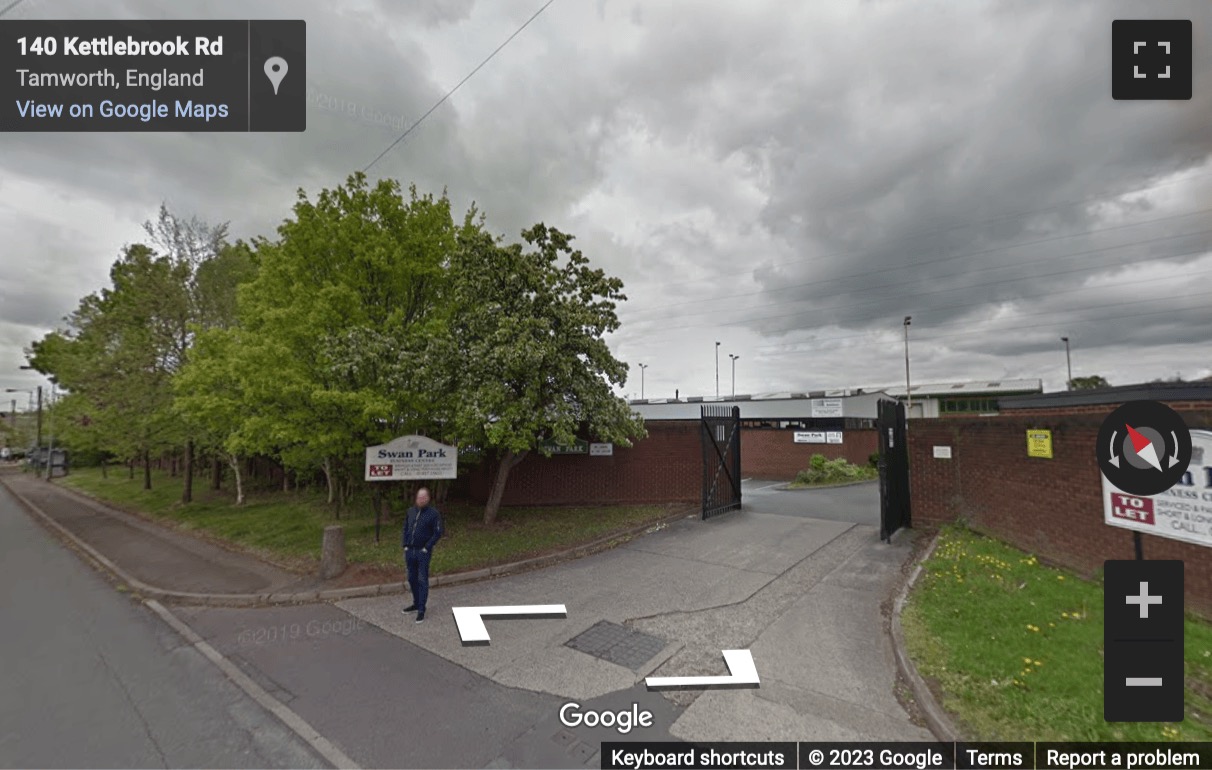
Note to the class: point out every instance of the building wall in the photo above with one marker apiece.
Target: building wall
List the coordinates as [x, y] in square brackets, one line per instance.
[1050, 507]
[770, 453]
[665, 467]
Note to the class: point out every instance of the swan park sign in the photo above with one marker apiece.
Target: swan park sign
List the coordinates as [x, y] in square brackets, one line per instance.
[411, 458]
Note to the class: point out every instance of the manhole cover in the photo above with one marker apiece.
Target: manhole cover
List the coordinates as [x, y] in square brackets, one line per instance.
[617, 644]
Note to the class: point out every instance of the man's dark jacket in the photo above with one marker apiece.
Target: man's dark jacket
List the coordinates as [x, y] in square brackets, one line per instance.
[422, 528]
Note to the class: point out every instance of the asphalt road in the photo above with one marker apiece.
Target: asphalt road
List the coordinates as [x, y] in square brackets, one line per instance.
[92, 678]
[854, 503]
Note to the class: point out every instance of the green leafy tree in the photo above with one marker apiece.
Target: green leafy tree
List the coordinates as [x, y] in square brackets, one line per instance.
[1088, 383]
[119, 352]
[335, 321]
[523, 360]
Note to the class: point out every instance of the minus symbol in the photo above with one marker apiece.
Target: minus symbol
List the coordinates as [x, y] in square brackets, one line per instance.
[1143, 681]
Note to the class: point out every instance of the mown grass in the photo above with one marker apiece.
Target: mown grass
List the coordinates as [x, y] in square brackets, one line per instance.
[1015, 647]
[288, 526]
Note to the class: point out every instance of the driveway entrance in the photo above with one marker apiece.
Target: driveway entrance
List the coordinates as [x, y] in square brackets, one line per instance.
[854, 503]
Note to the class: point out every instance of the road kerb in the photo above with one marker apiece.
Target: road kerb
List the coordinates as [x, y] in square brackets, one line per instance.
[932, 711]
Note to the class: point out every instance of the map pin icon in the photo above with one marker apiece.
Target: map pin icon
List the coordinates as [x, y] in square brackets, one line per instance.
[275, 70]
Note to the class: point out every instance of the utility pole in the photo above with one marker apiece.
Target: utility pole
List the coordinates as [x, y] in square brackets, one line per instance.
[734, 358]
[908, 392]
[1068, 364]
[642, 368]
[717, 369]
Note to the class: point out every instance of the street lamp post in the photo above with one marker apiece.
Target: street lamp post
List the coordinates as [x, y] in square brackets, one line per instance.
[734, 358]
[643, 367]
[908, 392]
[1068, 364]
[50, 448]
[717, 369]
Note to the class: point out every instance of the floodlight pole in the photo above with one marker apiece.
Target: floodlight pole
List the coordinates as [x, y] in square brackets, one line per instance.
[908, 392]
[1068, 364]
[642, 368]
[734, 358]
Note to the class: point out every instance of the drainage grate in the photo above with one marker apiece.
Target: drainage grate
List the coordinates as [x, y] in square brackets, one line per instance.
[617, 644]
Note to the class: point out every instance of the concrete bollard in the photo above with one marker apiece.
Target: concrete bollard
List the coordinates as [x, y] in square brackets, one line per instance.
[332, 552]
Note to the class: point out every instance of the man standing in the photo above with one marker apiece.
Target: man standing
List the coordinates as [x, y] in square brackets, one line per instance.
[422, 530]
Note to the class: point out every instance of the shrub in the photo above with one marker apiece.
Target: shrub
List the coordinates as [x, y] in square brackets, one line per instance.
[822, 470]
[874, 460]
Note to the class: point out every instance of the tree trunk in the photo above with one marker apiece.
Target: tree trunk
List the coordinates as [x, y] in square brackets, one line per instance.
[498, 485]
[130, 465]
[104, 472]
[187, 489]
[146, 470]
[216, 473]
[327, 468]
[172, 466]
[235, 467]
[285, 479]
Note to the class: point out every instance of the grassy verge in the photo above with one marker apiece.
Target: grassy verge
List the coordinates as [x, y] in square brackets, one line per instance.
[1014, 648]
[287, 526]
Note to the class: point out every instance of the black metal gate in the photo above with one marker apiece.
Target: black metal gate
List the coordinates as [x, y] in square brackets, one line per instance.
[894, 469]
[721, 428]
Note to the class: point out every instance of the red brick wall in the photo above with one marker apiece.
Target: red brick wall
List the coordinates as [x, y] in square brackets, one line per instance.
[666, 467]
[1051, 507]
[770, 453]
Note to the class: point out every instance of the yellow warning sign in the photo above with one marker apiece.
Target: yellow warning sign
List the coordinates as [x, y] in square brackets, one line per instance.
[1039, 443]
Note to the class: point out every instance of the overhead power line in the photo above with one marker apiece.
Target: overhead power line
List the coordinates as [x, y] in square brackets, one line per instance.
[11, 6]
[450, 93]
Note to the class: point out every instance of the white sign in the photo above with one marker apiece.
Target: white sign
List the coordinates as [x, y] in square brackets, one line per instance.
[1183, 512]
[942, 452]
[833, 437]
[601, 450]
[826, 407]
[809, 437]
[410, 458]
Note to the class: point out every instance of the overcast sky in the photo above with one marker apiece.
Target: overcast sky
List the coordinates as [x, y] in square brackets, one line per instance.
[788, 178]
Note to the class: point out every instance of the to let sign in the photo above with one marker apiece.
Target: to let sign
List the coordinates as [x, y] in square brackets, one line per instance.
[1182, 512]
[411, 458]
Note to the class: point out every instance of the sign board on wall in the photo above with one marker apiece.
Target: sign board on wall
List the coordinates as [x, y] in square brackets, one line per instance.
[826, 407]
[942, 452]
[577, 447]
[1039, 443]
[411, 458]
[601, 450]
[817, 437]
[1183, 512]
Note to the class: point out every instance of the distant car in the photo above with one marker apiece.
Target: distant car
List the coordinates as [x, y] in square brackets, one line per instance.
[6, 453]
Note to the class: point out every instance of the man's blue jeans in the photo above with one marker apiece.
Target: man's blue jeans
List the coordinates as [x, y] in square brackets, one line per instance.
[418, 576]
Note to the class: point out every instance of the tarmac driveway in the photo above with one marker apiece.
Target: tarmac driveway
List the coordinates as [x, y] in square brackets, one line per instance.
[853, 503]
[801, 588]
